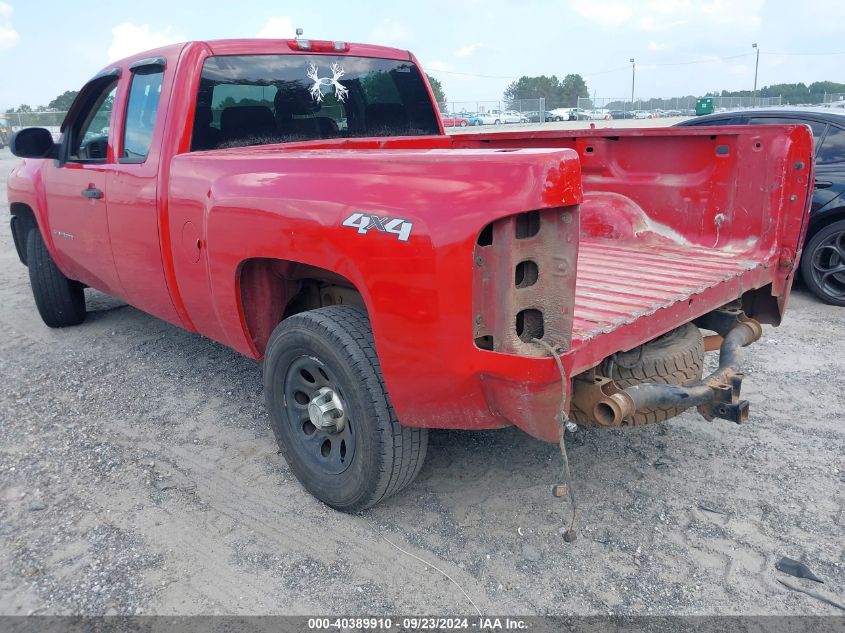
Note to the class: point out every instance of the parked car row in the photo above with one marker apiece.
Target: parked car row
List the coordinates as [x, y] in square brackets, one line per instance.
[496, 117]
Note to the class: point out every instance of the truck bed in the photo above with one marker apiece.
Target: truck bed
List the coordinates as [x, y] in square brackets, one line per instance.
[618, 283]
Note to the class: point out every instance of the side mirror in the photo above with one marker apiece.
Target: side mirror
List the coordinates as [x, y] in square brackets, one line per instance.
[33, 142]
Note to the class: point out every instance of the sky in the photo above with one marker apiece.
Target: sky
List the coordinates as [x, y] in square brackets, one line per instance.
[474, 47]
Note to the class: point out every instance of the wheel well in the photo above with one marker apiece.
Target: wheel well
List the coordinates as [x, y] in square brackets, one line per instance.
[23, 221]
[273, 289]
[824, 220]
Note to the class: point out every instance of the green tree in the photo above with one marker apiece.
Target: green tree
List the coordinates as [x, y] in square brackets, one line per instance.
[557, 93]
[437, 89]
[63, 101]
[572, 87]
[542, 87]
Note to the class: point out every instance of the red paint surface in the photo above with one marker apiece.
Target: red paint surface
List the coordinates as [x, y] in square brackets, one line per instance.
[670, 229]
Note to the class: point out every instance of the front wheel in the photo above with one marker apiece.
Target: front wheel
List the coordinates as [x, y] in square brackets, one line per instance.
[823, 264]
[60, 301]
[463, 123]
[330, 411]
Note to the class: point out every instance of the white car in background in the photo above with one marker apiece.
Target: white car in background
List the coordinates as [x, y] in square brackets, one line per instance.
[512, 116]
[599, 114]
[489, 118]
[643, 114]
[508, 116]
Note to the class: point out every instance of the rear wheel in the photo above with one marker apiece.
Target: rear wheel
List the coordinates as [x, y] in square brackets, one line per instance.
[330, 411]
[823, 264]
[463, 123]
[60, 301]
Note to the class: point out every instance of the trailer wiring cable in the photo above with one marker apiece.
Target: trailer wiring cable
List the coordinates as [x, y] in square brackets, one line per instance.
[563, 425]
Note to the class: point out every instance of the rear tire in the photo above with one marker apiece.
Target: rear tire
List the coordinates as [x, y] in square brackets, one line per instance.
[60, 301]
[372, 456]
[824, 253]
[675, 358]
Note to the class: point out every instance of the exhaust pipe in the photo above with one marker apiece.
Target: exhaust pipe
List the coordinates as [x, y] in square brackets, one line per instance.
[600, 400]
[717, 395]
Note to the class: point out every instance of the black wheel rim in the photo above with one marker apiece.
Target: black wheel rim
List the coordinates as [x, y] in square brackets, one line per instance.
[328, 452]
[829, 265]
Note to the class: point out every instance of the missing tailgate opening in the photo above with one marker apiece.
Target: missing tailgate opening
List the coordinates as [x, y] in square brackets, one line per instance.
[527, 224]
[529, 324]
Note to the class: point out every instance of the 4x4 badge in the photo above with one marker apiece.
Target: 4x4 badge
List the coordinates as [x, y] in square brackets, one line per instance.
[384, 224]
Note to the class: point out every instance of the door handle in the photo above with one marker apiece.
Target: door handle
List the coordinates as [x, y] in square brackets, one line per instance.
[823, 184]
[93, 193]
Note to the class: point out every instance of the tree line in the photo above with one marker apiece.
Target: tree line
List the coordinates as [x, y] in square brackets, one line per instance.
[792, 94]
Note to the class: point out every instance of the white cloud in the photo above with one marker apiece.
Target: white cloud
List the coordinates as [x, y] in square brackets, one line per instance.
[663, 15]
[745, 13]
[739, 69]
[604, 12]
[390, 32]
[437, 64]
[129, 39]
[8, 35]
[278, 27]
[656, 46]
[466, 51]
[651, 24]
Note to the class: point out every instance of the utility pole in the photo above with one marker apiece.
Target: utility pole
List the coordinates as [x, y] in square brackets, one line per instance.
[756, 65]
[633, 77]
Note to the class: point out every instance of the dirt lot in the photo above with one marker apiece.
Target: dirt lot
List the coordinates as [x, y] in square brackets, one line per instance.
[138, 475]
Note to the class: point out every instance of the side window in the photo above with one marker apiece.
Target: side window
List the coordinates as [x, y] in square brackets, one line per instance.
[90, 134]
[721, 121]
[833, 147]
[817, 126]
[141, 110]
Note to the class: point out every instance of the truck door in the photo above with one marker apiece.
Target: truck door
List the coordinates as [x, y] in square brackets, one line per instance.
[133, 207]
[77, 189]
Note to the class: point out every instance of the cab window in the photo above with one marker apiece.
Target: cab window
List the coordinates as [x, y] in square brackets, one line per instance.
[262, 99]
[89, 138]
[141, 111]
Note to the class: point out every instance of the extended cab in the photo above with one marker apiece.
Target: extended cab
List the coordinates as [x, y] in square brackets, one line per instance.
[299, 202]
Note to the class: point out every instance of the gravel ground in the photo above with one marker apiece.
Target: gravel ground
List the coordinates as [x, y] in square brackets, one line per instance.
[138, 475]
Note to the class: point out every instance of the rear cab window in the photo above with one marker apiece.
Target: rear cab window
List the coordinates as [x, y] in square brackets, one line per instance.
[262, 99]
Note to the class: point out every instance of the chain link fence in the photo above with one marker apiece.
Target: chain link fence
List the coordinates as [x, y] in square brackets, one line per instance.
[834, 97]
[11, 122]
[519, 110]
[681, 105]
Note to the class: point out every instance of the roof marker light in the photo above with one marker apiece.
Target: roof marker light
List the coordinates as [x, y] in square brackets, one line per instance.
[320, 46]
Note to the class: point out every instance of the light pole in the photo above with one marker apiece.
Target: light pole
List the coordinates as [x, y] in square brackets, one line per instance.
[633, 77]
[756, 65]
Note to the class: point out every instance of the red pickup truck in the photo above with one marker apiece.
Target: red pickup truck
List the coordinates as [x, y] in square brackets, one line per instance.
[298, 201]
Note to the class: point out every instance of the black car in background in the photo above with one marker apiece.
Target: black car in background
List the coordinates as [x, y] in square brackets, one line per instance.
[823, 260]
[542, 117]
